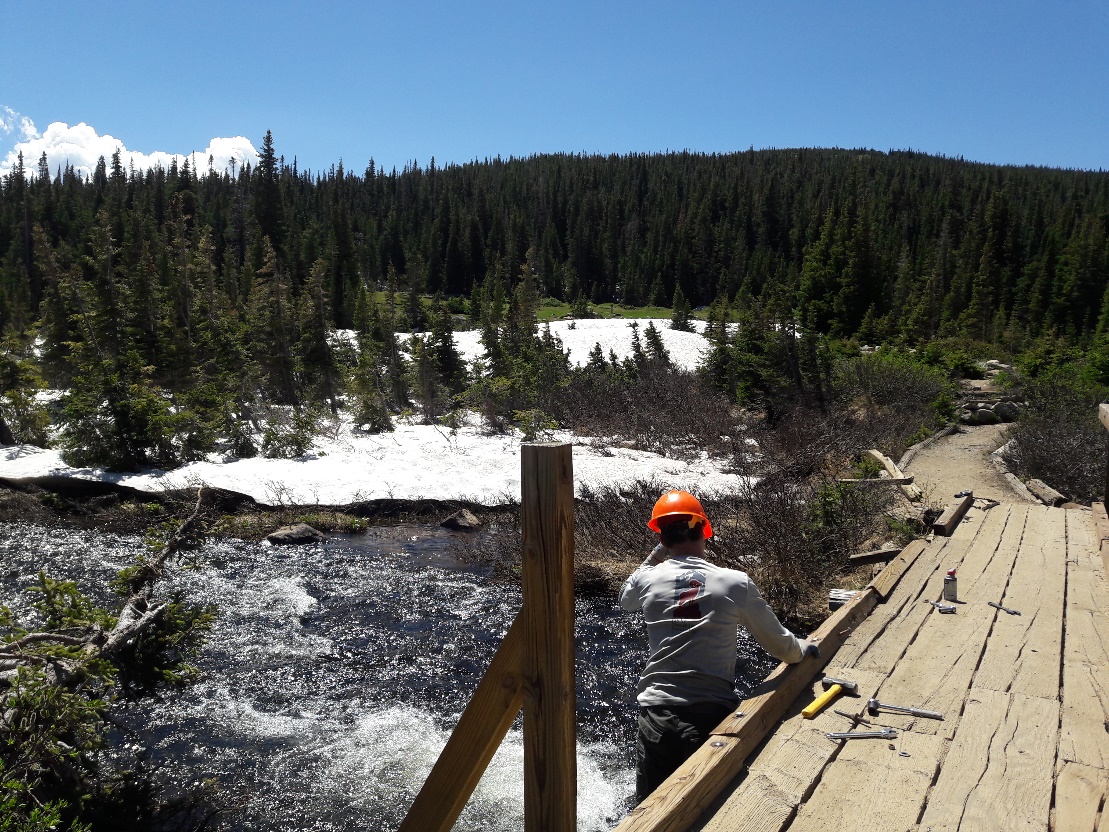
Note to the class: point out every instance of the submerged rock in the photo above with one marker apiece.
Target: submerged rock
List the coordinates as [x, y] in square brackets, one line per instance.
[299, 533]
[462, 520]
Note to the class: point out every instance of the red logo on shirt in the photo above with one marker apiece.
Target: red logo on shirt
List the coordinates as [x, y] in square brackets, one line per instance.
[687, 606]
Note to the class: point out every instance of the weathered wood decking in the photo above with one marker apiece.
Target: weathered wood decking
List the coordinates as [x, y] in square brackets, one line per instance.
[1025, 740]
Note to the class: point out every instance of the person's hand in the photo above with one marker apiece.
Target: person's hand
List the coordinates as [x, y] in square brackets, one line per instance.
[811, 650]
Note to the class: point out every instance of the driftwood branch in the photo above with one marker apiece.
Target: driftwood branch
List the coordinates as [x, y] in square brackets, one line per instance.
[139, 612]
[33, 638]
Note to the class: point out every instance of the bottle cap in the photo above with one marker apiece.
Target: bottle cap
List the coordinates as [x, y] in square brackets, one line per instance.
[951, 572]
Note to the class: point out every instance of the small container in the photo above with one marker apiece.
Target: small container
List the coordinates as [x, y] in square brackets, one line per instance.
[950, 586]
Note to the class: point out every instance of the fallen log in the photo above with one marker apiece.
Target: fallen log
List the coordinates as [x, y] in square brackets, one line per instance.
[912, 492]
[136, 616]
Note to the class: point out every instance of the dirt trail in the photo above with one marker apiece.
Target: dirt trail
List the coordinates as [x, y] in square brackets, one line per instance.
[960, 462]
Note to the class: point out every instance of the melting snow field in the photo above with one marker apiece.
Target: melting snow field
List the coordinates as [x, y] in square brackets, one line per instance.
[420, 461]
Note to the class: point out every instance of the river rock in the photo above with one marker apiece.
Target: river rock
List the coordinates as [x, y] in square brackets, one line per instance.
[462, 520]
[986, 417]
[1007, 411]
[299, 533]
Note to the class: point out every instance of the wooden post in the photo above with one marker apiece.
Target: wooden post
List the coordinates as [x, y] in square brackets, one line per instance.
[1103, 415]
[550, 753]
[534, 666]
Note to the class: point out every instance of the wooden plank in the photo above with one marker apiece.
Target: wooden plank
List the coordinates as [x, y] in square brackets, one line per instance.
[1045, 493]
[912, 492]
[1079, 792]
[550, 727]
[907, 480]
[870, 788]
[998, 770]
[792, 760]
[1082, 736]
[935, 670]
[952, 515]
[1023, 652]
[875, 556]
[887, 579]
[874, 629]
[676, 804]
[1101, 535]
[882, 639]
[473, 742]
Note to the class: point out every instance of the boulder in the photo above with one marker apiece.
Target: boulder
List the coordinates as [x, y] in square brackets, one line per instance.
[986, 417]
[462, 520]
[1007, 411]
[299, 533]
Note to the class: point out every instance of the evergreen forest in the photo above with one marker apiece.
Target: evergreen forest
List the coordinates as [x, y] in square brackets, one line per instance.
[177, 307]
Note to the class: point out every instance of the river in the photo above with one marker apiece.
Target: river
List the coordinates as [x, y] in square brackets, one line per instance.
[335, 672]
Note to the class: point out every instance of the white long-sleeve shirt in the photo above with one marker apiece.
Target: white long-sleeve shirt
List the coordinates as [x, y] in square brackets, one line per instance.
[693, 609]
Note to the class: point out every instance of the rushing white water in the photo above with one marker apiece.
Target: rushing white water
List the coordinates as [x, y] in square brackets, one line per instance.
[335, 673]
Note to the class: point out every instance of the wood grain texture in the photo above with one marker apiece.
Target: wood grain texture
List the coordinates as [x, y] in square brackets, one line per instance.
[883, 638]
[951, 516]
[887, 579]
[1084, 731]
[1079, 793]
[790, 763]
[998, 772]
[936, 669]
[474, 740]
[870, 788]
[1023, 652]
[1101, 534]
[547, 539]
[677, 804]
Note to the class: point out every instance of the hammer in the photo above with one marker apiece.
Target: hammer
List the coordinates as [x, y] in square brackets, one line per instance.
[832, 689]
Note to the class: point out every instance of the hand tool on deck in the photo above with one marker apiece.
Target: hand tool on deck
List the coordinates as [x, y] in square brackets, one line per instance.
[1003, 609]
[948, 609]
[873, 706]
[832, 689]
[884, 734]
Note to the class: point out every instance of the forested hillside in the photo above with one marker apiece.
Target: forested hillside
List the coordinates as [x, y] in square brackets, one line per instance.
[220, 290]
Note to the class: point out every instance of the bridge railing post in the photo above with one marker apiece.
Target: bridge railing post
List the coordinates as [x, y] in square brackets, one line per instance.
[534, 666]
[1103, 414]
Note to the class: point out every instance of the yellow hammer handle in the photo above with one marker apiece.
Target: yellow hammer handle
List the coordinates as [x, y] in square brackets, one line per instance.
[818, 704]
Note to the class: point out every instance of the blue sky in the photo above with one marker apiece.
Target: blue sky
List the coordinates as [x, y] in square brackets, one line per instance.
[1012, 83]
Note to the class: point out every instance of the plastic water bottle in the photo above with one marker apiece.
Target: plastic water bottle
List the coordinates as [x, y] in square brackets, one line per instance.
[950, 586]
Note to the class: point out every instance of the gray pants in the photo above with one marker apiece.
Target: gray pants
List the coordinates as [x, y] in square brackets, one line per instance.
[667, 737]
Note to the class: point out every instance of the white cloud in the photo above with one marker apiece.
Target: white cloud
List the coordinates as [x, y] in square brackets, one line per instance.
[81, 147]
[11, 122]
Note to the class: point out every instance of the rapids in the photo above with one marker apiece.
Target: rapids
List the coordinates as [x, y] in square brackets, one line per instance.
[335, 673]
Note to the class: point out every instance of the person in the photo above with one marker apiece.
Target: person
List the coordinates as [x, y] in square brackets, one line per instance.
[693, 609]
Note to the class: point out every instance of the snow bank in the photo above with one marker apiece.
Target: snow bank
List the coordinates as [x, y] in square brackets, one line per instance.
[420, 461]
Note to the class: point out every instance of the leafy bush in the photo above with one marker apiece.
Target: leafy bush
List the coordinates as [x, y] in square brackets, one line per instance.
[289, 435]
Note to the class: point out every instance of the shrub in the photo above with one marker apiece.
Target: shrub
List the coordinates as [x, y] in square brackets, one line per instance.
[1059, 438]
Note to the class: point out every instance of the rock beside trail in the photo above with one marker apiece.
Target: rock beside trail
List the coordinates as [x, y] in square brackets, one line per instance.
[299, 533]
[462, 520]
[979, 412]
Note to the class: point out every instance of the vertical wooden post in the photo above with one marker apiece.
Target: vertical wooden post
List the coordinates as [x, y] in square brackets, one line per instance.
[550, 754]
[1103, 415]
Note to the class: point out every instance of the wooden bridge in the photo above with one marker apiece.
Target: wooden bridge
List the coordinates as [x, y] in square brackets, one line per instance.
[1024, 743]
[1024, 691]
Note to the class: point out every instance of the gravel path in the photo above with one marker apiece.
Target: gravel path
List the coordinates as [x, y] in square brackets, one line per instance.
[960, 462]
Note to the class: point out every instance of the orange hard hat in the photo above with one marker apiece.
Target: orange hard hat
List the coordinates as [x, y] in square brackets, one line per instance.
[678, 504]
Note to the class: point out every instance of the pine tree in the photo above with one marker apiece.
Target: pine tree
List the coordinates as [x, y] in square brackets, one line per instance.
[682, 318]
